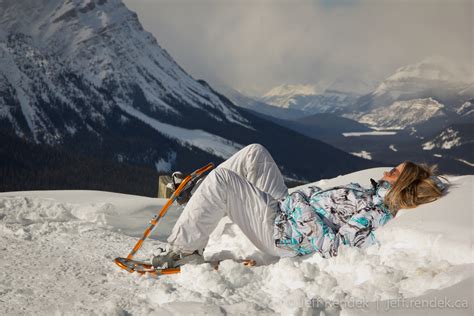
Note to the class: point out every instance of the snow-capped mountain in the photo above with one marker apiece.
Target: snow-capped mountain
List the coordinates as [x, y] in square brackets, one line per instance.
[466, 111]
[433, 77]
[428, 74]
[104, 43]
[84, 75]
[404, 114]
[253, 104]
[431, 93]
[455, 142]
[321, 98]
[284, 95]
[454, 136]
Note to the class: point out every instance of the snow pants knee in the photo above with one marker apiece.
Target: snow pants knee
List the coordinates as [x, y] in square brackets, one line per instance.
[246, 187]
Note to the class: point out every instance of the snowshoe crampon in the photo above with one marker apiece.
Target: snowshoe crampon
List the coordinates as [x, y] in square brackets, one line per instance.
[143, 267]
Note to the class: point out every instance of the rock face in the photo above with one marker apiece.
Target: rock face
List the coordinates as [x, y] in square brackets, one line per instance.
[85, 76]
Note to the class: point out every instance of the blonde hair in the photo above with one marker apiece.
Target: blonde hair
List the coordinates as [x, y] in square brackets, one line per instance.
[417, 184]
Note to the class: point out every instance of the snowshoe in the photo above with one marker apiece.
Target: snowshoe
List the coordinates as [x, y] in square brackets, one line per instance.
[143, 267]
[174, 259]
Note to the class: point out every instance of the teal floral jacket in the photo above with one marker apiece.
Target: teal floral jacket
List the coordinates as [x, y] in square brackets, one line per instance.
[316, 220]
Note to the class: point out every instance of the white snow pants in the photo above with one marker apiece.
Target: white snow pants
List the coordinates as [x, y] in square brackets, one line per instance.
[246, 188]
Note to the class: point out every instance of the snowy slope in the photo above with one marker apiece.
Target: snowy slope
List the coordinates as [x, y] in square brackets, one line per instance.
[404, 114]
[283, 95]
[425, 97]
[66, 240]
[69, 69]
[434, 77]
[453, 136]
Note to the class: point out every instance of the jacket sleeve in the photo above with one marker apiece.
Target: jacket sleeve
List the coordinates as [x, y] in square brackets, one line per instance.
[358, 231]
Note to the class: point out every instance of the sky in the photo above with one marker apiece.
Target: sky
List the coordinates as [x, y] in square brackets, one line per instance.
[255, 45]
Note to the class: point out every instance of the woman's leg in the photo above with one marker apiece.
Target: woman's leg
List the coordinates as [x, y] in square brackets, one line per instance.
[255, 164]
[224, 192]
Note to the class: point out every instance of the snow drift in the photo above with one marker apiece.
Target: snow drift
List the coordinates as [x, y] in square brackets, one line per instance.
[58, 246]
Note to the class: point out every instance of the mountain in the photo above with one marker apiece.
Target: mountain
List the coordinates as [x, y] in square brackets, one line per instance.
[466, 112]
[253, 104]
[28, 166]
[456, 141]
[436, 77]
[428, 93]
[405, 114]
[285, 94]
[85, 77]
[311, 99]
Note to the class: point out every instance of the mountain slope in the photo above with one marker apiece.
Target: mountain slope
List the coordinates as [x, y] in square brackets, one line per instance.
[425, 97]
[28, 166]
[310, 99]
[86, 77]
[456, 141]
[255, 105]
[405, 114]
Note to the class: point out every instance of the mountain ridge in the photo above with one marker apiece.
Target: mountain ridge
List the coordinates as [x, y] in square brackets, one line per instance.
[94, 82]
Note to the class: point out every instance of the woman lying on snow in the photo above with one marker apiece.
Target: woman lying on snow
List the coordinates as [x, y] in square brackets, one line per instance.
[249, 188]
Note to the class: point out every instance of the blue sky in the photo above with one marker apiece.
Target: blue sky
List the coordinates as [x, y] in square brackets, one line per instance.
[254, 45]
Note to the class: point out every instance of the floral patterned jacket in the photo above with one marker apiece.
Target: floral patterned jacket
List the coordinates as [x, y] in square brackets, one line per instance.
[316, 220]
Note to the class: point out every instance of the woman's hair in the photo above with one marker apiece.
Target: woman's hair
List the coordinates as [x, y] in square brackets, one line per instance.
[417, 184]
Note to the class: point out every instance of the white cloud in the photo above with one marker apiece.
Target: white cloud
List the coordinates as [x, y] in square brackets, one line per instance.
[255, 45]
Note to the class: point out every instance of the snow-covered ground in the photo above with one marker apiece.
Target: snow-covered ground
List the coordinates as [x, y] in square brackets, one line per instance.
[57, 250]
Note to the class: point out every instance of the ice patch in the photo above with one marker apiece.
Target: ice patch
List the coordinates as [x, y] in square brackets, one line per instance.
[373, 133]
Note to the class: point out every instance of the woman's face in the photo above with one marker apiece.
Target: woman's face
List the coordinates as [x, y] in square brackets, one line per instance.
[392, 175]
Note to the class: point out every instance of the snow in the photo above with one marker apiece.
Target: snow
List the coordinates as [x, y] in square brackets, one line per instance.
[431, 69]
[466, 162]
[372, 133]
[198, 138]
[295, 89]
[363, 154]
[58, 248]
[447, 139]
[166, 165]
[428, 145]
[402, 114]
[103, 43]
[465, 109]
[322, 97]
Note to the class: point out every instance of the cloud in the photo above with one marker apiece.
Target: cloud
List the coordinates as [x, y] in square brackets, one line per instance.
[254, 45]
